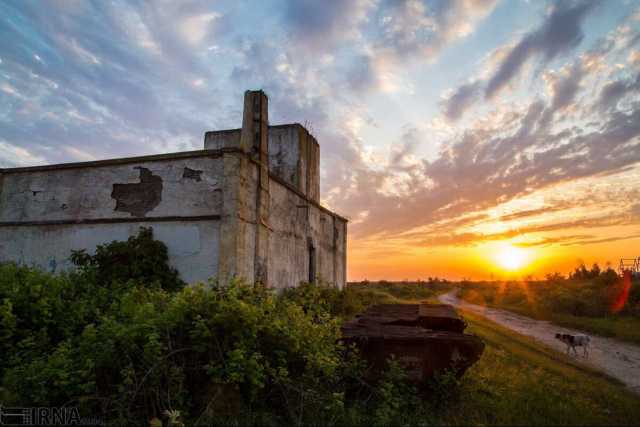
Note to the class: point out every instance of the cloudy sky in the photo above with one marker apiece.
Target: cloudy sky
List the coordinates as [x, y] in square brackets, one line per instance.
[450, 131]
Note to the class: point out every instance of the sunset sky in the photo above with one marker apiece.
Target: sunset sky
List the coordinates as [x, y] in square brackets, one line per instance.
[461, 138]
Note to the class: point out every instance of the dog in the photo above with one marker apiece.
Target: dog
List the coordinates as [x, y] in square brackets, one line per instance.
[573, 341]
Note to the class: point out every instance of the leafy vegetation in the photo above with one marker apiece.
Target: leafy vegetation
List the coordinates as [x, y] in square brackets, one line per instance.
[117, 263]
[517, 382]
[131, 344]
[591, 299]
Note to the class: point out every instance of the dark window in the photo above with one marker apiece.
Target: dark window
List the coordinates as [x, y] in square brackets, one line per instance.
[312, 263]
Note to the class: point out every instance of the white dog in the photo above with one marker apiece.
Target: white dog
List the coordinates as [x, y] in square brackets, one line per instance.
[573, 341]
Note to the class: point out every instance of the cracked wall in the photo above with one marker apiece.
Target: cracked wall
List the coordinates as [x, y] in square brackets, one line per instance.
[46, 213]
[93, 193]
[295, 223]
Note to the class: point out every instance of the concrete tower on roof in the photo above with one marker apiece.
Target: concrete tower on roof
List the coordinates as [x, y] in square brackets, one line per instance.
[246, 206]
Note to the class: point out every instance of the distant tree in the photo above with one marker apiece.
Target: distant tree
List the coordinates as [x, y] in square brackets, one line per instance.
[607, 276]
[595, 271]
[555, 277]
[580, 273]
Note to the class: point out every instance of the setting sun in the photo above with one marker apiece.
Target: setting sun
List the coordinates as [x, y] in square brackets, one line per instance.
[512, 258]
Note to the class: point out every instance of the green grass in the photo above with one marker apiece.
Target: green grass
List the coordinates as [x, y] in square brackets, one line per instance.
[398, 292]
[625, 328]
[519, 381]
[584, 306]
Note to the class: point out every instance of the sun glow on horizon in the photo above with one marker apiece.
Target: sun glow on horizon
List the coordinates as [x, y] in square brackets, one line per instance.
[512, 258]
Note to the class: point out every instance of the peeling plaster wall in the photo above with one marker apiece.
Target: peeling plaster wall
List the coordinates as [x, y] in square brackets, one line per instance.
[192, 246]
[202, 205]
[91, 193]
[47, 212]
[295, 225]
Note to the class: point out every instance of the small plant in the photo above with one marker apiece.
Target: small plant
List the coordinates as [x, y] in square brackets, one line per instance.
[444, 388]
[395, 397]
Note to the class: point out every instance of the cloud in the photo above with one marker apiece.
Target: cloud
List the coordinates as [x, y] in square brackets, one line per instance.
[530, 212]
[323, 25]
[565, 85]
[496, 161]
[546, 241]
[456, 103]
[413, 27]
[114, 79]
[195, 28]
[602, 240]
[476, 238]
[614, 91]
[13, 156]
[560, 32]
[412, 30]
[116, 73]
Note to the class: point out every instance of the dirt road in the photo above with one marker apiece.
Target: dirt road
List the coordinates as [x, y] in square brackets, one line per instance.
[618, 359]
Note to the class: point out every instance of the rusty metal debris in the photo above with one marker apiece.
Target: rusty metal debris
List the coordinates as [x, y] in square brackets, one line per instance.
[424, 338]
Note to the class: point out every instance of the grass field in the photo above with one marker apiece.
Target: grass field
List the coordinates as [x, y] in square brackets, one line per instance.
[519, 381]
[585, 305]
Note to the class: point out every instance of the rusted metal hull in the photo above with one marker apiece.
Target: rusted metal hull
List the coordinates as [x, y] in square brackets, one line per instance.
[425, 339]
[437, 317]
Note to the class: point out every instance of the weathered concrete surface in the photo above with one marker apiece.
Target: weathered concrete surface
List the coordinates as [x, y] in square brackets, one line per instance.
[192, 246]
[254, 140]
[284, 151]
[294, 154]
[218, 139]
[302, 230]
[237, 234]
[271, 230]
[94, 193]
[313, 168]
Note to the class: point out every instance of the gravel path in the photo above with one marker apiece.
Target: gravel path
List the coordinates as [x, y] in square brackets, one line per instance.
[618, 359]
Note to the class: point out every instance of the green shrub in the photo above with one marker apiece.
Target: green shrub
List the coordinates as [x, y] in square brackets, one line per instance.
[124, 341]
[151, 351]
[141, 259]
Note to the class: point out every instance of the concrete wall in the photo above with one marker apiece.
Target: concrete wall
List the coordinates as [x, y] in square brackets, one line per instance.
[183, 187]
[297, 225]
[294, 155]
[204, 208]
[246, 206]
[192, 246]
[284, 155]
[45, 212]
[217, 139]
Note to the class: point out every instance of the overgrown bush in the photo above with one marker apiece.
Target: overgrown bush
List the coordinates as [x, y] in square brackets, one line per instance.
[128, 343]
[140, 259]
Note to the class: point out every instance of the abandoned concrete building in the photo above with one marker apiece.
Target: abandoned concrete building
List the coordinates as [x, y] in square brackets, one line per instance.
[247, 206]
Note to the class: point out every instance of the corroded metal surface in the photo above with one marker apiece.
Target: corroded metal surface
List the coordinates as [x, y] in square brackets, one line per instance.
[441, 317]
[424, 338]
